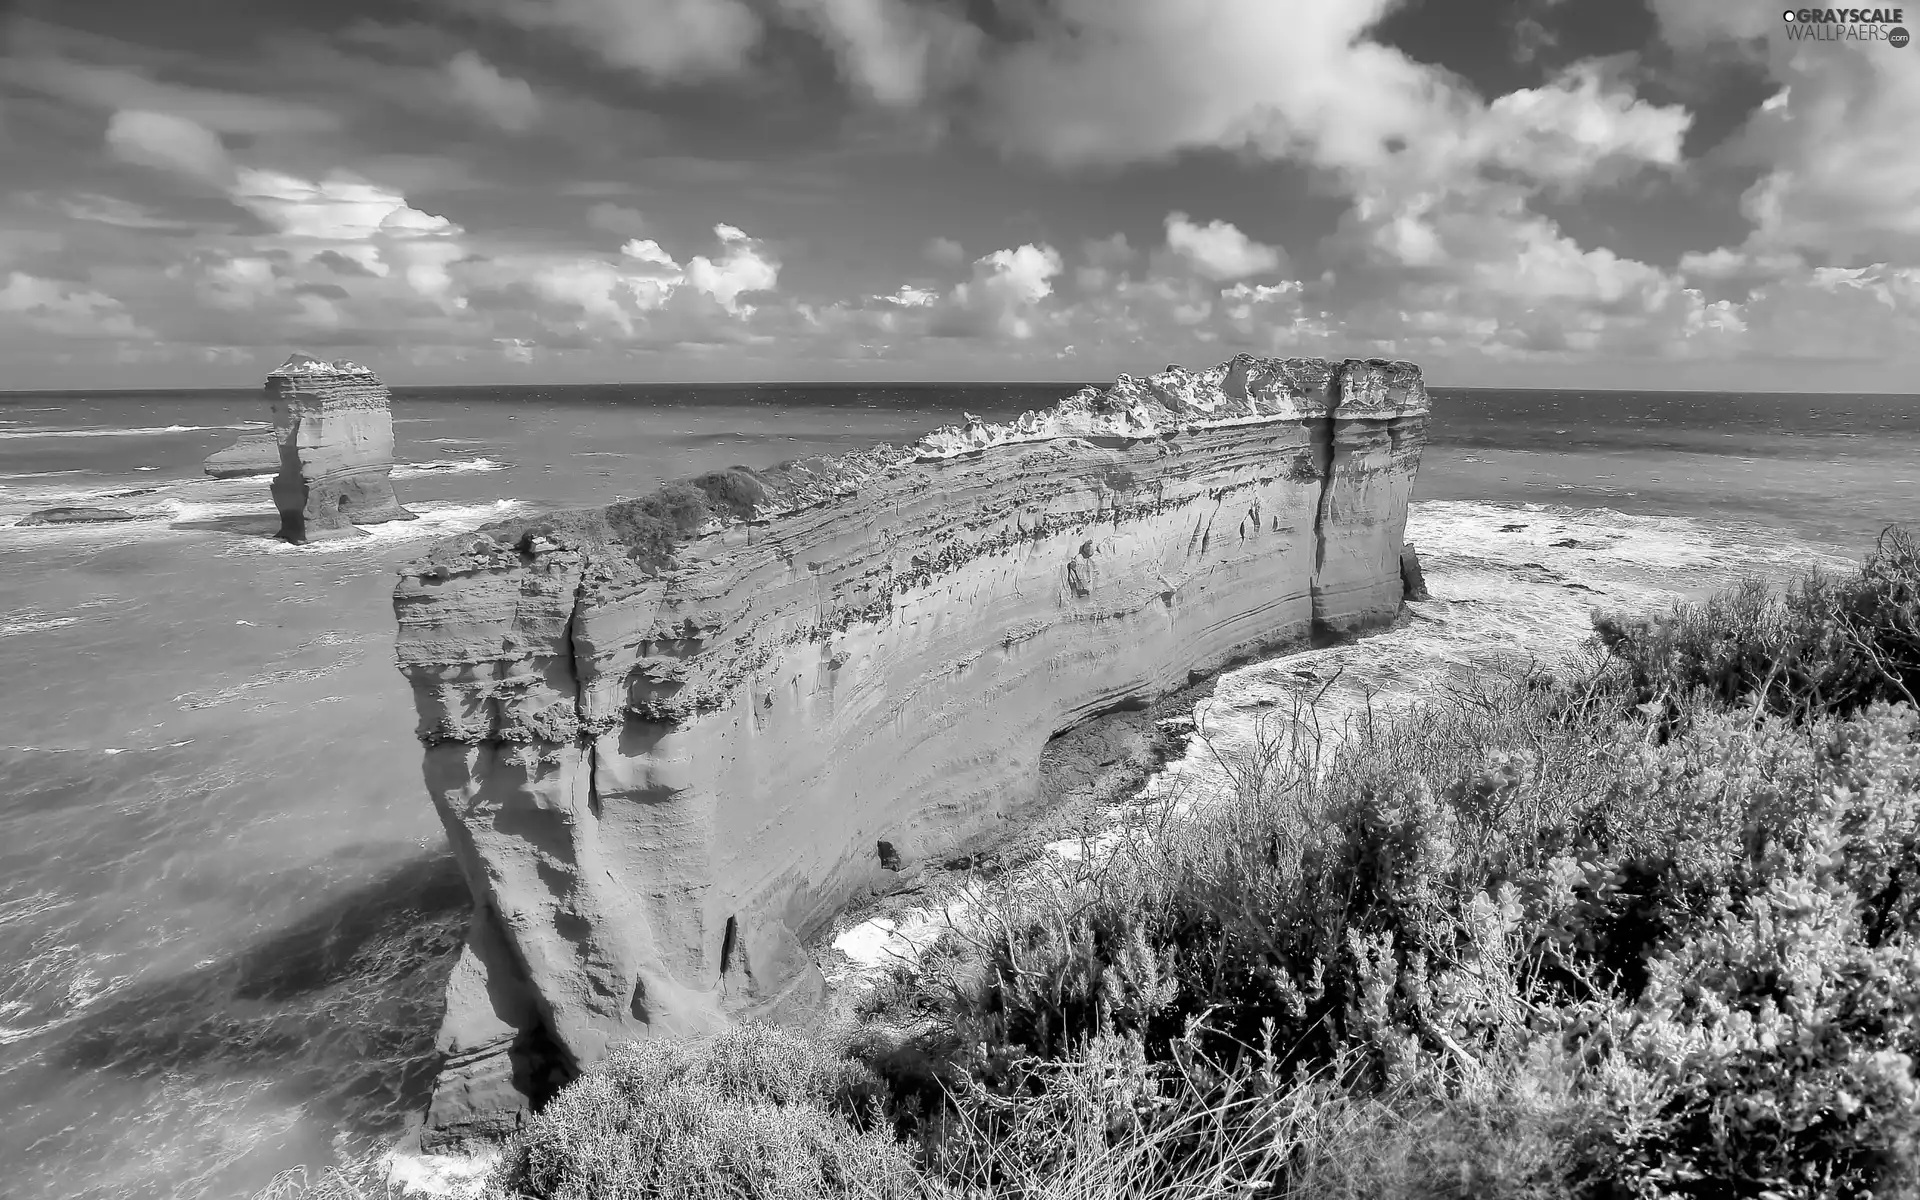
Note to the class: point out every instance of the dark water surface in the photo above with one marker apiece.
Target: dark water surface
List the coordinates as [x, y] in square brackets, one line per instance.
[225, 908]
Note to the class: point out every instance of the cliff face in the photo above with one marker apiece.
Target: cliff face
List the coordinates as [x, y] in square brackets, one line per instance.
[670, 739]
[335, 440]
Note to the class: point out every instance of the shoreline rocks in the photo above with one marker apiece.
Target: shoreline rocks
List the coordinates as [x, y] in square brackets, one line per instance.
[334, 435]
[671, 739]
[64, 515]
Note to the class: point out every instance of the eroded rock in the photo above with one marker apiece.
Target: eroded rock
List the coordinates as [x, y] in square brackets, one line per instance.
[671, 739]
[334, 435]
[76, 516]
[253, 454]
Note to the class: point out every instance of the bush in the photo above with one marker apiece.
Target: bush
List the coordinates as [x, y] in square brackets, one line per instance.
[1827, 645]
[751, 1113]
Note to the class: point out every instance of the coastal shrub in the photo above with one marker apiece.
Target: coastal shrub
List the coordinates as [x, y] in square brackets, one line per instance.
[1673, 942]
[1827, 644]
[751, 1113]
[652, 526]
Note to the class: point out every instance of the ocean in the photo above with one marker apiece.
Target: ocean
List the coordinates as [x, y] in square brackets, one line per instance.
[226, 911]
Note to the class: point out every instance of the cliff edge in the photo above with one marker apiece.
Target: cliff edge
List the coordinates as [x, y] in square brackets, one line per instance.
[334, 431]
[671, 738]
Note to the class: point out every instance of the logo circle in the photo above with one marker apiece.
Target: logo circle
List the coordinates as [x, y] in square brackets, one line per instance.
[1898, 36]
[1787, 15]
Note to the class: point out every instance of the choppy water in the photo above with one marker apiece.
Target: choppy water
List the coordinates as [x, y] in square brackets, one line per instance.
[224, 904]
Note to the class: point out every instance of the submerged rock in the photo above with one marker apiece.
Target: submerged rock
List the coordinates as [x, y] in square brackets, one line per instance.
[76, 516]
[334, 434]
[253, 454]
[672, 738]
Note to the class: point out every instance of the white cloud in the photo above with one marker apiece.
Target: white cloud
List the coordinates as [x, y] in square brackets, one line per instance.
[1003, 296]
[909, 296]
[65, 310]
[501, 99]
[1839, 176]
[339, 207]
[744, 267]
[896, 53]
[1218, 250]
[165, 142]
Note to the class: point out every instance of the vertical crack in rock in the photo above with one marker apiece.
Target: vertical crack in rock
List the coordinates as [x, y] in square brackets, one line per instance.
[908, 605]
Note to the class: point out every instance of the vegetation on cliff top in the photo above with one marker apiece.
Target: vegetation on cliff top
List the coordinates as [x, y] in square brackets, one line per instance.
[1645, 926]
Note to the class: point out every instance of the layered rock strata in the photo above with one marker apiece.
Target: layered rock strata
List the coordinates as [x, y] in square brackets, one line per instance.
[334, 432]
[672, 738]
[253, 454]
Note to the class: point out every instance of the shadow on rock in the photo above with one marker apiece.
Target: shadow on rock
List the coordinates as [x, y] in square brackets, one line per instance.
[341, 1007]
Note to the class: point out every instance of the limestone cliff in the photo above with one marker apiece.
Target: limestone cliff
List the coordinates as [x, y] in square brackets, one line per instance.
[670, 739]
[335, 438]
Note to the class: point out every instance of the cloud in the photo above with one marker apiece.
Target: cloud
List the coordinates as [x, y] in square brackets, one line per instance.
[1219, 251]
[64, 310]
[743, 268]
[1002, 298]
[894, 52]
[670, 41]
[165, 142]
[507, 102]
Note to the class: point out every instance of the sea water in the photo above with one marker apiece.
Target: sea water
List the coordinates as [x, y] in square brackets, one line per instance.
[226, 910]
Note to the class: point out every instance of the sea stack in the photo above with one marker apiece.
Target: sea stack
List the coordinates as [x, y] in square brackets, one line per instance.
[335, 437]
[670, 739]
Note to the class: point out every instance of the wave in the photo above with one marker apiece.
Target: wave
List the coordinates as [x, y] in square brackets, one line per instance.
[132, 431]
[446, 466]
[435, 520]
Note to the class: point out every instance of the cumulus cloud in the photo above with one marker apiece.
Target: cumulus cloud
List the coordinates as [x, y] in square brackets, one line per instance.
[507, 102]
[1218, 250]
[165, 142]
[1003, 296]
[742, 267]
[892, 51]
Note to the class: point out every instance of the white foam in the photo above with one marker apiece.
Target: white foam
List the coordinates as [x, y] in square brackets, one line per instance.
[435, 520]
[132, 431]
[446, 467]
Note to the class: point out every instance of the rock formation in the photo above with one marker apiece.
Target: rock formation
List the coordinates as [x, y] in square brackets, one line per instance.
[1413, 580]
[335, 438]
[253, 454]
[76, 516]
[672, 738]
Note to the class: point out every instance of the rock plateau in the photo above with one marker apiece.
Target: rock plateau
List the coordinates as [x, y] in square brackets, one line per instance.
[672, 738]
[253, 454]
[334, 433]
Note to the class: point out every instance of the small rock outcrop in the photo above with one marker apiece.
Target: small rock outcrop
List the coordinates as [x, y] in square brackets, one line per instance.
[670, 739]
[254, 454]
[1413, 581]
[76, 516]
[334, 433]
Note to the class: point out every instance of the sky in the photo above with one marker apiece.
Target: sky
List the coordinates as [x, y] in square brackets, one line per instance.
[1531, 193]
